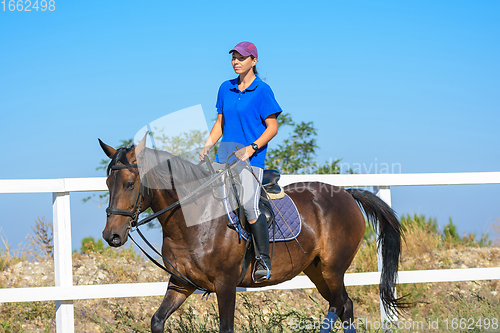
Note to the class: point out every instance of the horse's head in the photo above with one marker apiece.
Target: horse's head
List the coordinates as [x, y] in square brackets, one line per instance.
[125, 197]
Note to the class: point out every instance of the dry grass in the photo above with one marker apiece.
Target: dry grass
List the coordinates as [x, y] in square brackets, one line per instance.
[272, 311]
[40, 241]
[495, 229]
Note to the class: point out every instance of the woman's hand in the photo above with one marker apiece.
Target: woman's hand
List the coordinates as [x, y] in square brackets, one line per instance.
[204, 152]
[245, 153]
[215, 135]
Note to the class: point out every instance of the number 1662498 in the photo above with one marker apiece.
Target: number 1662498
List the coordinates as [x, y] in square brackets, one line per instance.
[27, 5]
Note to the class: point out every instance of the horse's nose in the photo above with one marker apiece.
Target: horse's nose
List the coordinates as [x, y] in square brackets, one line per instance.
[111, 238]
[116, 240]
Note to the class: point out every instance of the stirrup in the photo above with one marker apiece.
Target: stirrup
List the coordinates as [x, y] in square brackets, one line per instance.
[261, 271]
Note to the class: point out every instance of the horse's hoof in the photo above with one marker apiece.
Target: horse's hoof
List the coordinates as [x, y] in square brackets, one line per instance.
[157, 325]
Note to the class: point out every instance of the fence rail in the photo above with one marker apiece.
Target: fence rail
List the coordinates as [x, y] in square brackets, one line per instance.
[64, 292]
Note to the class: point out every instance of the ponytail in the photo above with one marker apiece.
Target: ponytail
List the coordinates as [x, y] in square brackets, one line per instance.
[254, 67]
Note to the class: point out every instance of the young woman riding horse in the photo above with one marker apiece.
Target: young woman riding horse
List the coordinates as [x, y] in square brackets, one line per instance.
[247, 112]
[332, 231]
[208, 256]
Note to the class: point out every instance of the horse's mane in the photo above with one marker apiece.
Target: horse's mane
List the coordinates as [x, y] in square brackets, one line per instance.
[159, 169]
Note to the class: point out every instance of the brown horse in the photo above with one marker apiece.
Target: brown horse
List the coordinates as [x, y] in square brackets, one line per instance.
[210, 256]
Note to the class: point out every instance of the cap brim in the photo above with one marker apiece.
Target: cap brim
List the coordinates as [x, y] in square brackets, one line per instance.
[241, 51]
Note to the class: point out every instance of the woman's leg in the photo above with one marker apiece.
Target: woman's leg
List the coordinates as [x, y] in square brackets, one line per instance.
[251, 191]
[257, 222]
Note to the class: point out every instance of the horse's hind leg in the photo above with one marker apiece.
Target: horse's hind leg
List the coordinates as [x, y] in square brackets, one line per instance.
[347, 316]
[332, 289]
[175, 296]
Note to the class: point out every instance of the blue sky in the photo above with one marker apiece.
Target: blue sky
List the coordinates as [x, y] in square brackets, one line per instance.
[415, 83]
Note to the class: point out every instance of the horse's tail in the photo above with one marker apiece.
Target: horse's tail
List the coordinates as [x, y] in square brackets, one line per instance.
[390, 243]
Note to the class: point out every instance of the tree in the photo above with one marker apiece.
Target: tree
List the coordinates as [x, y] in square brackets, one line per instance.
[332, 168]
[186, 145]
[297, 154]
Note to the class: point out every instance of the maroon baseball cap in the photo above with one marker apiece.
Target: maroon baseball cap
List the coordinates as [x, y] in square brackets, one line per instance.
[245, 49]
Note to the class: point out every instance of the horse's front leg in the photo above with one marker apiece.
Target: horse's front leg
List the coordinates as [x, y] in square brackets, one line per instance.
[175, 296]
[226, 300]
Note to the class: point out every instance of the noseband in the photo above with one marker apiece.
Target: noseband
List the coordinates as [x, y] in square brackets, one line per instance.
[134, 213]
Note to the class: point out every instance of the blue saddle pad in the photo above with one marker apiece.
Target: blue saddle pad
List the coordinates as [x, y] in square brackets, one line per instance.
[286, 214]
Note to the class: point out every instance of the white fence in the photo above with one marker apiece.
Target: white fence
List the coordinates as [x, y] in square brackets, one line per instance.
[64, 292]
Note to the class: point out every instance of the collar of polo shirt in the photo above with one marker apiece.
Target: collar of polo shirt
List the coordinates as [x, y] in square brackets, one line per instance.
[252, 87]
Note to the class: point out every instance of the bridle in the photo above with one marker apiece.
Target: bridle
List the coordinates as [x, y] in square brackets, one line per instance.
[134, 213]
[135, 223]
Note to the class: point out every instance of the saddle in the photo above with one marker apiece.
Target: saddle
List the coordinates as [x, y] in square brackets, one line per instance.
[279, 229]
[270, 181]
[270, 185]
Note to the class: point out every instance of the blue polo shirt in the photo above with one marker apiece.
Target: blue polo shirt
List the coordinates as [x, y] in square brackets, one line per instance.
[244, 113]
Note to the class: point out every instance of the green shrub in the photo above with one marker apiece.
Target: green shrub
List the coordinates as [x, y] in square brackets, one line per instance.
[420, 222]
[89, 245]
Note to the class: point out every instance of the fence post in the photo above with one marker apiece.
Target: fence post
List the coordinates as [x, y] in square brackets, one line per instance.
[384, 193]
[63, 265]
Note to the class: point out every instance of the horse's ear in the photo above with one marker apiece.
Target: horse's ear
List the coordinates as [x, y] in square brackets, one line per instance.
[108, 150]
[141, 145]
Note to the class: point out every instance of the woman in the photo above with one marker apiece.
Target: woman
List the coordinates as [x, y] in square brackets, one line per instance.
[247, 119]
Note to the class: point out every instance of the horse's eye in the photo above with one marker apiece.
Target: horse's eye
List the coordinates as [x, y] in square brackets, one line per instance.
[130, 185]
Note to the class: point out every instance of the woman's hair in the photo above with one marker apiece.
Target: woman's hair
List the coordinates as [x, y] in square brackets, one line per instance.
[254, 67]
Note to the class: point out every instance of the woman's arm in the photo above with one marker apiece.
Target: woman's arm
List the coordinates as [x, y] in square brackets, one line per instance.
[269, 133]
[215, 135]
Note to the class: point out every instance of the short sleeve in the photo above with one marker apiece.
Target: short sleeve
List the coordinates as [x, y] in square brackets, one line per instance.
[269, 105]
[219, 105]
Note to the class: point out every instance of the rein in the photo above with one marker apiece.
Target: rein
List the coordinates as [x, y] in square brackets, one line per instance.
[135, 223]
[213, 179]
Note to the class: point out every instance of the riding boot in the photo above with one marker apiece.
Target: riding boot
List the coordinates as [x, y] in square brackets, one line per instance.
[260, 234]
